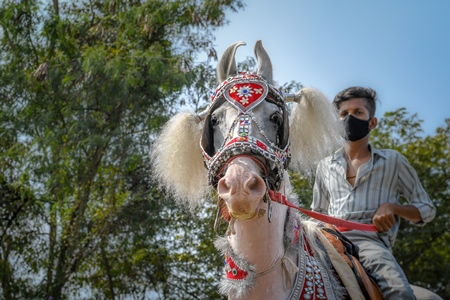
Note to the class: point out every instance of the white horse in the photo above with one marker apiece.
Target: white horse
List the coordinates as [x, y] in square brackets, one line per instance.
[247, 138]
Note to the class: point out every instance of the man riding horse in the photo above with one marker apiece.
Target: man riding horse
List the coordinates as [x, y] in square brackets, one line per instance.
[246, 138]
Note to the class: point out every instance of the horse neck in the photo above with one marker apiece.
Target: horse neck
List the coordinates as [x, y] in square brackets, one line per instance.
[258, 241]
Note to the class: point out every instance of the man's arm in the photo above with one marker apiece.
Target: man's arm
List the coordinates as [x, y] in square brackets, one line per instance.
[320, 193]
[412, 190]
[384, 216]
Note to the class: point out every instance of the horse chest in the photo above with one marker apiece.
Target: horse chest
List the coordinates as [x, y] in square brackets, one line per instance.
[299, 274]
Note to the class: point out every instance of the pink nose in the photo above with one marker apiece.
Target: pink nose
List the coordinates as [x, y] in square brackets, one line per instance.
[242, 189]
[253, 185]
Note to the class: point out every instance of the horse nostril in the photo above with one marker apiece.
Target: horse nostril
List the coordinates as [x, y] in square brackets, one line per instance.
[223, 187]
[252, 183]
[255, 185]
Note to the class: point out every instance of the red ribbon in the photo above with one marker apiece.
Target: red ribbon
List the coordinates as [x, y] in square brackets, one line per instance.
[280, 198]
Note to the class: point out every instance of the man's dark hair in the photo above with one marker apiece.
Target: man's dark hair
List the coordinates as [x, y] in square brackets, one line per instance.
[369, 95]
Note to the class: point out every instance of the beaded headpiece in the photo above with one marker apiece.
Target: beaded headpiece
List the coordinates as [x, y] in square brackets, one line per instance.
[245, 91]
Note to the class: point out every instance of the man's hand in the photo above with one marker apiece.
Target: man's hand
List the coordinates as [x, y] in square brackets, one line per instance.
[384, 217]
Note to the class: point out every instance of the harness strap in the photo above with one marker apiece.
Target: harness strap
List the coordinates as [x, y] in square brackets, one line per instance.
[280, 198]
[287, 270]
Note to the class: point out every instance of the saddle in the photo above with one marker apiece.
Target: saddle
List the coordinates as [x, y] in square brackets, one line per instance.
[349, 253]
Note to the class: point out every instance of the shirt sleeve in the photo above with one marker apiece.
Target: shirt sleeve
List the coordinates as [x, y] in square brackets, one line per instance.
[320, 192]
[412, 190]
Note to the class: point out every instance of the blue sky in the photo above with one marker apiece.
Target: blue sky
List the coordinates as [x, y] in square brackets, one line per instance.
[400, 48]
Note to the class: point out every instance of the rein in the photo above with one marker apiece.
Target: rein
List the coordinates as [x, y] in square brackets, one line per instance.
[342, 225]
[280, 198]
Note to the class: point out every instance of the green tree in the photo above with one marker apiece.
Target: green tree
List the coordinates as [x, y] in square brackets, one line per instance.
[83, 85]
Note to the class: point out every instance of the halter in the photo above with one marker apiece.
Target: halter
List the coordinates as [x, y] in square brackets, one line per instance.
[245, 91]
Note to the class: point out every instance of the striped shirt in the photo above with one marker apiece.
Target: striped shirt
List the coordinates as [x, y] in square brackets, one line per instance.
[386, 177]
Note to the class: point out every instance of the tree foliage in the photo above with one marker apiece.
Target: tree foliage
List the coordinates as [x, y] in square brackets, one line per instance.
[83, 85]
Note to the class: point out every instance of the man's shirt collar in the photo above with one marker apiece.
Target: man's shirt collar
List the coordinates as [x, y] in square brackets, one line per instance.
[340, 154]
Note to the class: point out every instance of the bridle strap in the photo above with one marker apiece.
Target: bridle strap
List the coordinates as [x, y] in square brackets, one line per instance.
[280, 198]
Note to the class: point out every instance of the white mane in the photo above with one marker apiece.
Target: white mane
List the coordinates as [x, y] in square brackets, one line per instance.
[315, 131]
[177, 160]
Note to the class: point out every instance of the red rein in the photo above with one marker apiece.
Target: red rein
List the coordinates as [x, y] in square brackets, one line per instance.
[342, 225]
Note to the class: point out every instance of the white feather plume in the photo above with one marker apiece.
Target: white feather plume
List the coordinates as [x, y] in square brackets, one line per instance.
[315, 131]
[177, 160]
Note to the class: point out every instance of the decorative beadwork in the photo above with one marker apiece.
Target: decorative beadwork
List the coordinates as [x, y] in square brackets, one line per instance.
[245, 123]
[232, 271]
[245, 91]
[239, 275]
[313, 280]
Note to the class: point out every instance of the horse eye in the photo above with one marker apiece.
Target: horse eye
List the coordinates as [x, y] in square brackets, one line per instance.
[214, 120]
[276, 118]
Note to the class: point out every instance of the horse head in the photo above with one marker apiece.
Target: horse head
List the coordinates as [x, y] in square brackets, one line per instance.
[245, 135]
[246, 138]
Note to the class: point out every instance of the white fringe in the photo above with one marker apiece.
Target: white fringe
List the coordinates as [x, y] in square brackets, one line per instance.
[177, 160]
[315, 131]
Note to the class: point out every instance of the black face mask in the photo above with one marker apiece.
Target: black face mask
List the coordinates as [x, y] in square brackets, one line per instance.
[356, 128]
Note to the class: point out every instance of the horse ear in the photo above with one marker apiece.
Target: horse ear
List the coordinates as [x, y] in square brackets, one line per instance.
[283, 131]
[315, 130]
[227, 63]
[207, 137]
[177, 159]
[264, 63]
[207, 140]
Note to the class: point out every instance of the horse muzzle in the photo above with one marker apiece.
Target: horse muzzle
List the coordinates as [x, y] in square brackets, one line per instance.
[242, 188]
